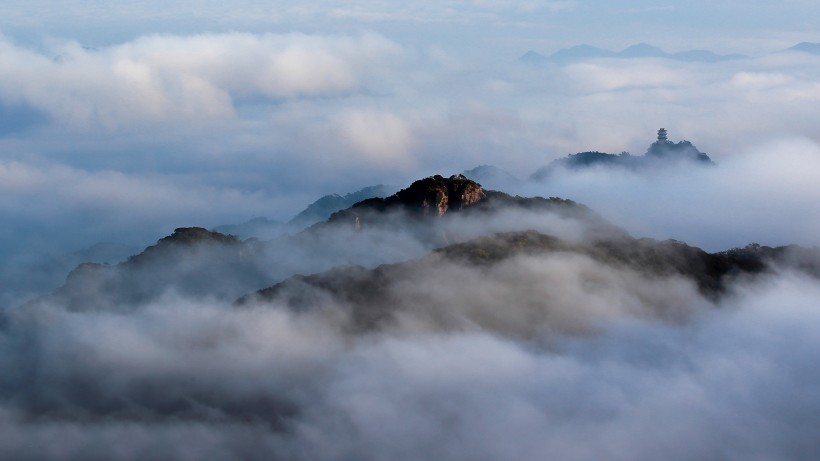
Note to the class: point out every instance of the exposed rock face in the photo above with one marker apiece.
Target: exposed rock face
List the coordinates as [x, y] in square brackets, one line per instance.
[428, 206]
[437, 195]
[434, 196]
[196, 262]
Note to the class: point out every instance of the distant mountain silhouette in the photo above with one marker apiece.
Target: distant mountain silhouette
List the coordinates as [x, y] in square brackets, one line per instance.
[105, 253]
[259, 227]
[491, 177]
[266, 229]
[640, 50]
[660, 153]
[806, 47]
[581, 52]
[533, 58]
[324, 207]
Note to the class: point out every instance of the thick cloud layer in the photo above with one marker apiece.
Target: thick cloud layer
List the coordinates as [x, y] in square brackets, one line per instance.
[766, 194]
[188, 379]
[732, 386]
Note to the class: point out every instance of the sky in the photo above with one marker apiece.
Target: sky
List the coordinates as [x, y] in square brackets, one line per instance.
[120, 121]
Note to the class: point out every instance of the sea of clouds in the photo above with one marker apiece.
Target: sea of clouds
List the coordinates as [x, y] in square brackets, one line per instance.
[124, 141]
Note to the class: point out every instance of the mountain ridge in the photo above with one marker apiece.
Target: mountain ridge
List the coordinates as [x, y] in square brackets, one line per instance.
[197, 262]
[374, 297]
[440, 213]
[661, 153]
[806, 47]
[636, 51]
[317, 211]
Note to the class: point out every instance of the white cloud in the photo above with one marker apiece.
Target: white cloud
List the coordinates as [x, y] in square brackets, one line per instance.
[59, 208]
[614, 76]
[181, 378]
[378, 136]
[756, 195]
[161, 78]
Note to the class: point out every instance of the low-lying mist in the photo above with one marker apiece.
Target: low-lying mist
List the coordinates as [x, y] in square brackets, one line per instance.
[768, 194]
[200, 264]
[551, 355]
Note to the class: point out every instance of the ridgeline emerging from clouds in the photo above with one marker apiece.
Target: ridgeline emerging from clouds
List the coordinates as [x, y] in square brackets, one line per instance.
[310, 345]
[431, 212]
[450, 214]
[640, 50]
[474, 318]
[662, 153]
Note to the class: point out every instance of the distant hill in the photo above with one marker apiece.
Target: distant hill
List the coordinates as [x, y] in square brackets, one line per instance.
[105, 253]
[806, 47]
[640, 50]
[581, 52]
[660, 153]
[531, 57]
[265, 229]
[491, 177]
[259, 227]
[324, 207]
